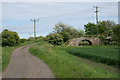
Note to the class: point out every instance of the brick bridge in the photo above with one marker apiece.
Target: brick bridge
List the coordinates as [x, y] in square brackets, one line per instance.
[91, 40]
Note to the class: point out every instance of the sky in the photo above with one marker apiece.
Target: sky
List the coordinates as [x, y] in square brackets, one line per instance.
[16, 16]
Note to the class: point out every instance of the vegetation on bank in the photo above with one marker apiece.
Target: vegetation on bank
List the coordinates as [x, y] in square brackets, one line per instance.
[65, 65]
[6, 52]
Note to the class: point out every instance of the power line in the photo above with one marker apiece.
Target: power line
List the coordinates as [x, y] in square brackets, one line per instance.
[97, 23]
[73, 13]
[34, 21]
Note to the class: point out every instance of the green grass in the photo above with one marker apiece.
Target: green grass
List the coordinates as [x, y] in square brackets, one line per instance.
[103, 54]
[65, 65]
[0, 59]
[6, 53]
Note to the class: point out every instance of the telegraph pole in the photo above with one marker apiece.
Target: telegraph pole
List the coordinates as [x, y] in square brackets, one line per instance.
[34, 21]
[97, 23]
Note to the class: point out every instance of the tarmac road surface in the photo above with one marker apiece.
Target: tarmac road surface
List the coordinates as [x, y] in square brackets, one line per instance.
[25, 65]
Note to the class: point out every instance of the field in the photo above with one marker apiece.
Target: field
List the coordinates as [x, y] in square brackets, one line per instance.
[65, 65]
[103, 54]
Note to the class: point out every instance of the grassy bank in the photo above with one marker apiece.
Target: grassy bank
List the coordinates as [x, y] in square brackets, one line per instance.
[0, 59]
[103, 54]
[65, 65]
[6, 53]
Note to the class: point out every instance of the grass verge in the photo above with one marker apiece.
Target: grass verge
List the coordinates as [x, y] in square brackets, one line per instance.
[64, 65]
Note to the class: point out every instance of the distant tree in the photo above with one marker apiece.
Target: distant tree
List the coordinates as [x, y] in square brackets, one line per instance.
[23, 40]
[90, 29]
[116, 34]
[55, 39]
[41, 37]
[61, 28]
[10, 38]
[104, 28]
[31, 39]
[65, 36]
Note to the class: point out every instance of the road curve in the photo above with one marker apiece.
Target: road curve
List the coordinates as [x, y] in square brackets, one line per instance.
[25, 65]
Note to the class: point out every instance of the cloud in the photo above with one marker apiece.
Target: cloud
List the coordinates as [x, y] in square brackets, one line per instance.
[16, 16]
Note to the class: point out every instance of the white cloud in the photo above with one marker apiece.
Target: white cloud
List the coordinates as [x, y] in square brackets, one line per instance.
[16, 16]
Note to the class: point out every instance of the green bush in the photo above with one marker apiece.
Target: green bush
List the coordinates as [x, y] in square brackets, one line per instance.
[65, 36]
[55, 39]
[22, 40]
[31, 39]
[10, 38]
[116, 34]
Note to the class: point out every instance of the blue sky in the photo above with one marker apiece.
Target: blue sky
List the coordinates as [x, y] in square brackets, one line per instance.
[17, 16]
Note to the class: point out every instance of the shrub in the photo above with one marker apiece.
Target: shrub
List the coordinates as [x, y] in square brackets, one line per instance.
[22, 40]
[30, 39]
[65, 36]
[10, 38]
[116, 34]
[55, 39]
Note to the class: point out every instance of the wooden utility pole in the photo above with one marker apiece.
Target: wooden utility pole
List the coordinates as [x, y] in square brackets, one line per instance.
[97, 23]
[34, 21]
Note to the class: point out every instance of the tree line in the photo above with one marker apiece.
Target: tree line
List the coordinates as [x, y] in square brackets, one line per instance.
[109, 32]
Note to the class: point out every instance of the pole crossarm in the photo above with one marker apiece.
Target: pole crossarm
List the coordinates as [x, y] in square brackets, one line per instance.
[34, 21]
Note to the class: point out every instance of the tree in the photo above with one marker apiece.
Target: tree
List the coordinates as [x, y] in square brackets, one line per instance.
[10, 38]
[61, 28]
[31, 39]
[23, 40]
[104, 28]
[116, 34]
[90, 29]
[65, 36]
[55, 39]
